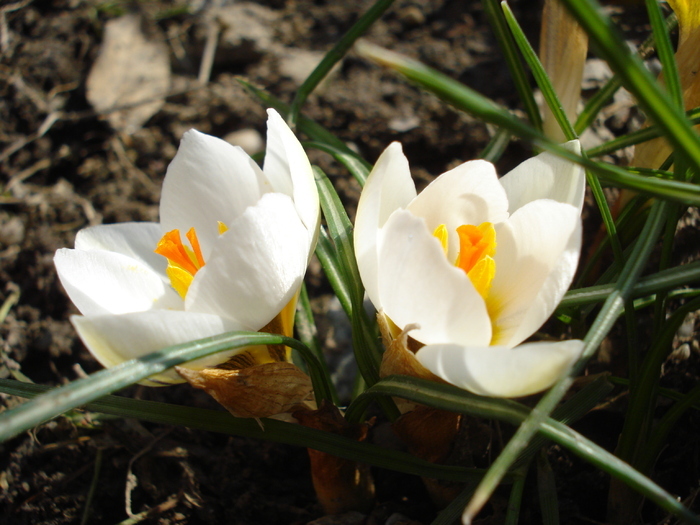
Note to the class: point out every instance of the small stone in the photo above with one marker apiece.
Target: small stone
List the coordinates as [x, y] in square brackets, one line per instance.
[411, 16]
[404, 124]
[11, 231]
[249, 139]
[687, 328]
[682, 353]
[298, 64]
[596, 72]
[247, 32]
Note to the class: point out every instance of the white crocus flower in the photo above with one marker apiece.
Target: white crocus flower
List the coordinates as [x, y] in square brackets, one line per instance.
[229, 253]
[477, 263]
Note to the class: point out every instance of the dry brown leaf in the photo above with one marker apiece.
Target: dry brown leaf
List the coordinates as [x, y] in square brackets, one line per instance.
[430, 434]
[341, 485]
[399, 359]
[563, 50]
[258, 391]
[131, 72]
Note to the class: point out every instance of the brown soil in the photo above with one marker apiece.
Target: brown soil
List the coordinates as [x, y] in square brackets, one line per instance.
[64, 168]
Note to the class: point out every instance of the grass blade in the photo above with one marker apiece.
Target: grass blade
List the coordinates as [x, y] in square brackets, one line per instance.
[510, 53]
[82, 391]
[635, 77]
[357, 167]
[325, 251]
[637, 137]
[340, 229]
[609, 313]
[547, 491]
[272, 430]
[664, 50]
[368, 353]
[596, 103]
[541, 77]
[448, 397]
[468, 100]
[306, 331]
[515, 500]
[659, 282]
[307, 126]
[331, 58]
[496, 147]
[557, 110]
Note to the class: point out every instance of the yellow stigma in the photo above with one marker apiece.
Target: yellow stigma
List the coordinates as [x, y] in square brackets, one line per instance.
[183, 262]
[441, 234]
[477, 246]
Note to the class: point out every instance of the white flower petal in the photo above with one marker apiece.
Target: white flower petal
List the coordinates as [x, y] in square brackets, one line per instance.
[101, 282]
[288, 169]
[536, 257]
[133, 239]
[499, 371]
[547, 176]
[208, 181]
[418, 285]
[256, 267]
[388, 188]
[467, 194]
[113, 339]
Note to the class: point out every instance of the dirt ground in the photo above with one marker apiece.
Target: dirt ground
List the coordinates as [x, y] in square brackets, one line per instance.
[64, 167]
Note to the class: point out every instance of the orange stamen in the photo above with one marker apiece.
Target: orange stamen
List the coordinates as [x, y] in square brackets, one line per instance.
[477, 246]
[475, 243]
[194, 242]
[183, 262]
[171, 247]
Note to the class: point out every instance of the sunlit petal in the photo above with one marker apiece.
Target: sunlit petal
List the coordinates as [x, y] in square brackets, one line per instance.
[537, 255]
[133, 239]
[113, 339]
[467, 194]
[546, 176]
[101, 282]
[255, 267]
[418, 285]
[388, 188]
[208, 181]
[289, 171]
[500, 371]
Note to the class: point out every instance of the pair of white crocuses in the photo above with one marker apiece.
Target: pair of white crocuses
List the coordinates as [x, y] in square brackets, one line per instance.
[478, 263]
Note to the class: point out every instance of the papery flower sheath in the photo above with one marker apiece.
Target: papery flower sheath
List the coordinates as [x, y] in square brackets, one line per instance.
[563, 50]
[477, 262]
[229, 253]
[653, 153]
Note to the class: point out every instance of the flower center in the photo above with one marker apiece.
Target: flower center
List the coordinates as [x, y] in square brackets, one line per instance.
[477, 246]
[183, 261]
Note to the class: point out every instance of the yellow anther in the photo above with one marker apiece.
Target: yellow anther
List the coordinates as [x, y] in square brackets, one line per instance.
[482, 274]
[477, 246]
[440, 234]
